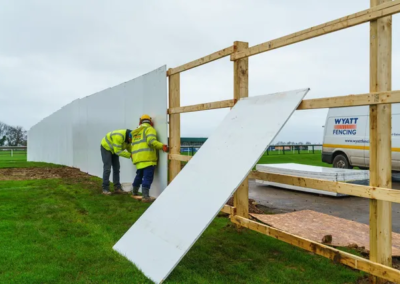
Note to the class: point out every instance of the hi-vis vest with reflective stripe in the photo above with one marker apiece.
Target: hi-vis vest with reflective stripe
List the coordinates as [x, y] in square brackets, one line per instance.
[115, 143]
[144, 144]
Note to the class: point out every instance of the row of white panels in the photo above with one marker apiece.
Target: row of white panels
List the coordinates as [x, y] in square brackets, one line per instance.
[71, 136]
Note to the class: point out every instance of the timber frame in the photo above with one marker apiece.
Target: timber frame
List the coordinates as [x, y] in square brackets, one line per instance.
[380, 98]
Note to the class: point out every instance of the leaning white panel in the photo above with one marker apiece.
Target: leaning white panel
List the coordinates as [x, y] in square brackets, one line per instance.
[164, 233]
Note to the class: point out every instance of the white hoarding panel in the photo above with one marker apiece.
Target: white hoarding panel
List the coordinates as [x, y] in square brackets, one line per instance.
[164, 233]
[72, 135]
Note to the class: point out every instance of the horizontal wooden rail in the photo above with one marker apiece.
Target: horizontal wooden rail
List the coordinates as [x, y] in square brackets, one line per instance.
[337, 256]
[370, 192]
[206, 59]
[205, 106]
[177, 157]
[385, 9]
[351, 100]
[229, 210]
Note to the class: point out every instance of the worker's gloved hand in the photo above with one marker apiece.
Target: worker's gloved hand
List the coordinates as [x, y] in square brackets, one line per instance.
[165, 148]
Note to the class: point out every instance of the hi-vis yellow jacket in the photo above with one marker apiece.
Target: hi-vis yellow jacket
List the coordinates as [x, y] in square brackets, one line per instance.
[114, 142]
[144, 146]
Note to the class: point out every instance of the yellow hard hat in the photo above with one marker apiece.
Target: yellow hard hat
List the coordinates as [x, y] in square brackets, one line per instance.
[145, 116]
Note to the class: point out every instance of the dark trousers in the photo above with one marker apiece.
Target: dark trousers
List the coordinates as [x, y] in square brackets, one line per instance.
[144, 177]
[110, 160]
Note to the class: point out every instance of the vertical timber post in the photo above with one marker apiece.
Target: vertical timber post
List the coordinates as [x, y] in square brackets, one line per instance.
[241, 90]
[174, 125]
[380, 139]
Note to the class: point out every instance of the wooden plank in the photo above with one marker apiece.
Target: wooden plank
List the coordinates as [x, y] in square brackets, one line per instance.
[373, 13]
[384, 138]
[337, 256]
[178, 157]
[373, 138]
[174, 125]
[201, 61]
[205, 106]
[351, 100]
[229, 210]
[241, 90]
[371, 192]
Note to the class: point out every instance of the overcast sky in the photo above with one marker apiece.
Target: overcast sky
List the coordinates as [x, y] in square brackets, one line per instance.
[52, 52]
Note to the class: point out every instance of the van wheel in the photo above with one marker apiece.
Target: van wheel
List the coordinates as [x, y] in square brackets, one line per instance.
[341, 162]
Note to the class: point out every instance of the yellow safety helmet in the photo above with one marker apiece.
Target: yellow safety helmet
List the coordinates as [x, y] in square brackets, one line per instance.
[146, 118]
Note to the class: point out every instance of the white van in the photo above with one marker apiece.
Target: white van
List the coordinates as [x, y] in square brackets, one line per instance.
[346, 137]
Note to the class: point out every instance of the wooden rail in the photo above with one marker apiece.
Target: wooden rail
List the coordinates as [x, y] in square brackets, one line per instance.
[352, 100]
[365, 16]
[229, 210]
[331, 102]
[205, 106]
[201, 61]
[178, 157]
[371, 192]
[338, 256]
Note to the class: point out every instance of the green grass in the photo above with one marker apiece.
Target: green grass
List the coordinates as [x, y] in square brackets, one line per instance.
[306, 159]
[62, 231]
[290, 157]
[19, 161]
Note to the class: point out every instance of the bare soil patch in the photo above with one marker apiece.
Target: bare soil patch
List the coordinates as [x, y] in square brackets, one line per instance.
[252, 206]
[40, 173]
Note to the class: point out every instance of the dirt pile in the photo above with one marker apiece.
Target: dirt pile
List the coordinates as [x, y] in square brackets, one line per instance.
[40, 173]
[252, 206]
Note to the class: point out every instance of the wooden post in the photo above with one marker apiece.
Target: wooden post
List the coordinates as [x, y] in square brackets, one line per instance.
[174, 125]
[241, 90]
[380, 138]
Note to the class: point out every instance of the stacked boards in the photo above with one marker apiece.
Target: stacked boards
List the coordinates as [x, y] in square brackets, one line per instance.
[306, 171]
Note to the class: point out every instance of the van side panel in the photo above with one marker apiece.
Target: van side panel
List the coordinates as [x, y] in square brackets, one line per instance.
[395, 141]
[347, 133]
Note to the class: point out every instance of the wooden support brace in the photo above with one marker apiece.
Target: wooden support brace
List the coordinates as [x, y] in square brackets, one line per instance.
[229, 210]
[351, 100]
[385, 9]
[371, 192]
[205, 106]
[198, 62]
[174, 125]
[337, 256]
[380, 138]
[241, 90]
[178, 157]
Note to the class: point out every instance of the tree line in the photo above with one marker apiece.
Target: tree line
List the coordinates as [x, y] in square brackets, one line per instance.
[12, 136]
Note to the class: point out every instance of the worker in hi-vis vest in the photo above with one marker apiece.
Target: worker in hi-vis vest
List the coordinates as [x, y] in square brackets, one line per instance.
[114, 145]
[144, 156]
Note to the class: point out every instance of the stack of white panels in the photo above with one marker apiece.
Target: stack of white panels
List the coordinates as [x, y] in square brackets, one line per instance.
[331, 174]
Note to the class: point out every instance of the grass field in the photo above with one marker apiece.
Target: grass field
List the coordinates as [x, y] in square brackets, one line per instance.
[63, 230]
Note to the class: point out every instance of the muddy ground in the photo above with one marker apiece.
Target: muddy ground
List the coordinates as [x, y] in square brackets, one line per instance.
[279, 200]
[40, 173]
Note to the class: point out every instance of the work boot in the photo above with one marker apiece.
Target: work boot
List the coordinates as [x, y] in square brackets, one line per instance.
[106, 192]
[118, 190]
[135, 191]
[145, 193]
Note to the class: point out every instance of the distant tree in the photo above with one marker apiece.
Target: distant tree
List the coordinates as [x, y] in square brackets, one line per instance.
[16, 136]
[300, 143]
[308, 143]
[3, 133]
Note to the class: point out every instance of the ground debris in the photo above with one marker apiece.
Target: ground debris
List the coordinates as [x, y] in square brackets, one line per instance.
[252, 206]
[40, 173]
